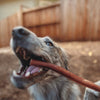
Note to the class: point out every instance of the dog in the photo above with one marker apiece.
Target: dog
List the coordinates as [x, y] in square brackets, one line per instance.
[44, 84]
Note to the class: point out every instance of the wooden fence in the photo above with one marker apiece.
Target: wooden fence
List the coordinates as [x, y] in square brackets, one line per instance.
[6, 26]
[43, 21]
[65, 21]
[81, 19]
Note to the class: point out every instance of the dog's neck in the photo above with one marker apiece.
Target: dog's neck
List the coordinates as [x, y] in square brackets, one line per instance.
[56, 89]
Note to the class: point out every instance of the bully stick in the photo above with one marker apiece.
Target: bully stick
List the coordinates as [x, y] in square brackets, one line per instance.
[67, 74]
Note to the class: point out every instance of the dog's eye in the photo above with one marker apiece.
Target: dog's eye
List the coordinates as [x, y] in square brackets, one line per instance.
[49, 43]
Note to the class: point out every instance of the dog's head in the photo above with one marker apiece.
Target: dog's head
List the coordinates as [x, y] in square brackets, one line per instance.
[27, 46]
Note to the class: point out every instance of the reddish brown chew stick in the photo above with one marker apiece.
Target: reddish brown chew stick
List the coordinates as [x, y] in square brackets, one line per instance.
[67, 74]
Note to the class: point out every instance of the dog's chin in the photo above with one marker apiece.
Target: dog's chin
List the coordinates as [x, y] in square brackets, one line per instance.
[18, 82]
[24, 82]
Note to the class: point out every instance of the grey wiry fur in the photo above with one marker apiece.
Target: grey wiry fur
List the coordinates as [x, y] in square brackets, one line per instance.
[50, 85]
[57, 89]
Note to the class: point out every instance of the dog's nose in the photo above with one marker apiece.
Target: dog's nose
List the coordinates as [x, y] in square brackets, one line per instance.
[19, 32]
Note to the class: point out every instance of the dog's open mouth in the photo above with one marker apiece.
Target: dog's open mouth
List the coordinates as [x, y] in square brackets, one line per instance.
[27, 70]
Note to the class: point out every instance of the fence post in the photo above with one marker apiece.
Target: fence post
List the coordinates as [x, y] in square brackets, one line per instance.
[20, 16]
[63, 8]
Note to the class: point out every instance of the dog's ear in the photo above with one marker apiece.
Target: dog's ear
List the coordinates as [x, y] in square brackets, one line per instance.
[64, 58]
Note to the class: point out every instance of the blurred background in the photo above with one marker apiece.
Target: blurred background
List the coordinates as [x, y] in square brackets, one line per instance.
[73, 24]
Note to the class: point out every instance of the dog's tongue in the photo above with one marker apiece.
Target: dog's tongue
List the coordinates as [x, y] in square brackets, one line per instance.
[31, 70]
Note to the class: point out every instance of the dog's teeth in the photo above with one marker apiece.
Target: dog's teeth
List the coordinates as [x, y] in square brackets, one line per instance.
[42, 59]
[17, 49]
[40, 70]
[15, 74]
[27, 74]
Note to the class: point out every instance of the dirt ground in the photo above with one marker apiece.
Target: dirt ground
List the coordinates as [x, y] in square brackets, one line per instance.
[84, 61]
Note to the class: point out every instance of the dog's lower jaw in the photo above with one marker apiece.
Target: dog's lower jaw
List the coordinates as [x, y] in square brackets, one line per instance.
[55, 89]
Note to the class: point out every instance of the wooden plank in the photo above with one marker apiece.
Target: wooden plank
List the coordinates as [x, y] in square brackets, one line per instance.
[42, 8]
[66, 18]
[43, 17]
[48, 30]
[42, 25]
[80, 19]
[93, 19]
[12, 22]
[72, 19]
[20, 16]
[0, 34]
[31, 19]
[4, 34]
[6, 26]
